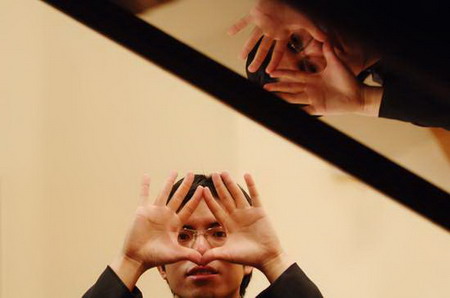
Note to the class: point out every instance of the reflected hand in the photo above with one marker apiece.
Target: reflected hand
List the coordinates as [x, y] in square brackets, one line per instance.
[335, 90]
[274, 22]
[251, 240]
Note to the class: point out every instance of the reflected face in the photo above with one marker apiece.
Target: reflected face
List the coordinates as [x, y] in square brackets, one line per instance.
[216, 279]
[303, 53]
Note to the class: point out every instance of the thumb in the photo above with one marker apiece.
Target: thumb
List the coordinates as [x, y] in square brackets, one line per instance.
[217, 253]
[330, 54]
[184, 253]
[334, 64]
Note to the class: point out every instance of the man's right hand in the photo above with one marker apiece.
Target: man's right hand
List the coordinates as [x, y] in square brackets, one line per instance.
[152, 237]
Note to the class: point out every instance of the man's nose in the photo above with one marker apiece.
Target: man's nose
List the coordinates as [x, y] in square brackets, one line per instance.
[201, 244]
[289, 62]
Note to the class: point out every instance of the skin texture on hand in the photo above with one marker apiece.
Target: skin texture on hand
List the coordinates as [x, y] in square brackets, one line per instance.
[251, 239]
[334, 90]
[274, 21]
[152, 238]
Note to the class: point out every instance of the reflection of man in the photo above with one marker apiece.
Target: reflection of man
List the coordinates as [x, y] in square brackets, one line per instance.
[323, 67]
[205, 235]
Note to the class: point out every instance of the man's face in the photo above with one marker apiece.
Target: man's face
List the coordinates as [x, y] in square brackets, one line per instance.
[216, 279]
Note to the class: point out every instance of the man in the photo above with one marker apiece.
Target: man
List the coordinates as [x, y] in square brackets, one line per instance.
[205, 235]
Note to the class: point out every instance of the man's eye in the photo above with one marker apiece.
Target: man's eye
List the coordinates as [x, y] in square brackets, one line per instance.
[307, 66]
[295, 44]
[219, 234]
[183, 236]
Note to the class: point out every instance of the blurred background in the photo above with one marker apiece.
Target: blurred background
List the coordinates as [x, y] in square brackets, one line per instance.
[81, 119]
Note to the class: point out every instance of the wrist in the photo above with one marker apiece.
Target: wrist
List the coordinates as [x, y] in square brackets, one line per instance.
[371, 100]
[128, 270]
[275, 266]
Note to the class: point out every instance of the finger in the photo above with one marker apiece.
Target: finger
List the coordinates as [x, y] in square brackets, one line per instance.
[223, 193]
[251, 186]
[297, 98]
[214, 206]
[217, 253]
[251, 42]
[277, 55]
[181, 192]
[239, 25]
[184, 253]
[334, 64]
[311, 110]
[329, 54]
[144, 193]
[315, 31]
[289, 87]
[190, 206]
[298, 76]
[332, 59]
[161, 199]
[261, 54]
[236, 192]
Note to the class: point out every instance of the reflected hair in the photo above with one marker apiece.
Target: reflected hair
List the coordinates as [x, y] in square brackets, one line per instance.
[260, 76]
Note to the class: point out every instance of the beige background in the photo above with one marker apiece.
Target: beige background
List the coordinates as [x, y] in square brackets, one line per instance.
[82, 118]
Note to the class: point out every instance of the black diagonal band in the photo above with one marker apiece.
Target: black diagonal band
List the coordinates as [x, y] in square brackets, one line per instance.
[284, 119]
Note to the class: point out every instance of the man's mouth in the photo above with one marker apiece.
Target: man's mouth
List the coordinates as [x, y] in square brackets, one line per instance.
[202, 271]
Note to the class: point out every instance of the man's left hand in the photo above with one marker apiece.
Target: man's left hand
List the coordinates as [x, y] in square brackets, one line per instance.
[251, 239]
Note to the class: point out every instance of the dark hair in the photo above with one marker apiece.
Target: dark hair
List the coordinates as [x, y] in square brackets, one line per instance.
[206, 181]
[260, 76]
[201, 180]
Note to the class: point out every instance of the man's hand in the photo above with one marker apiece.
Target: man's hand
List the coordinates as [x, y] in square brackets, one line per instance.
[275, 22]
[335, 90]
[251, 240]
[152, 237]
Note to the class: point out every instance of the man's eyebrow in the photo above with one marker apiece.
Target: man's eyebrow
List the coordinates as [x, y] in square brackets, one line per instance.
[214, 225]
[211, 225]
